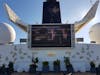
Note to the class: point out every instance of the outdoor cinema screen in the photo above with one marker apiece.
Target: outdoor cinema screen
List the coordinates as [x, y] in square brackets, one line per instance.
[51, 35]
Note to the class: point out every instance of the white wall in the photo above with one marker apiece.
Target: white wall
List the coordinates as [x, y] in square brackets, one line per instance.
[80, 56]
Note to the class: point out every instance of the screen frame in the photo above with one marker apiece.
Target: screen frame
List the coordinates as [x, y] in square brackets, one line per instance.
[72, 35]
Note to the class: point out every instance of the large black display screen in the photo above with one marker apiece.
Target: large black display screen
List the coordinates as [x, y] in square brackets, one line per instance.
[51, 35]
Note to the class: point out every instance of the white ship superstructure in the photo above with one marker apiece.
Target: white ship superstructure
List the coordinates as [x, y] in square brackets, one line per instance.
[80, 55]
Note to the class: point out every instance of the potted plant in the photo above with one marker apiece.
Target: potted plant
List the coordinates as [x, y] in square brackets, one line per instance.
[35, 60]
[33, 66]
[92, 67]
[68, 65]
[45, 67]
[56, 65]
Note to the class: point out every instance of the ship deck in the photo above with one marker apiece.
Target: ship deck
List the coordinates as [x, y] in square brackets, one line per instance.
[78, 73]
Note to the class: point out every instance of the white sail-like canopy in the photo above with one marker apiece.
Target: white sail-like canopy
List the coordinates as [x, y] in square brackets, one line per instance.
[15, 19]
[78, 25]
[87, 18]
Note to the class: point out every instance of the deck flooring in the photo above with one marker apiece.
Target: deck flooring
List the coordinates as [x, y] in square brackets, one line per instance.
[54, 74]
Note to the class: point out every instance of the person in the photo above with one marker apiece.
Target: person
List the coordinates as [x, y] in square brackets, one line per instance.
[69, 74]
[11, 67]
[59, 37]
[3, 70]
[0, 70]
[98, 70]
[32, 68]
[43, 32]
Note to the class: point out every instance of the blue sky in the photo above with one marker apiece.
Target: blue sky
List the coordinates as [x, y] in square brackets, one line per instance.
[30, 11]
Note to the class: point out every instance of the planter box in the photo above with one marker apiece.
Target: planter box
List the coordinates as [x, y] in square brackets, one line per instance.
[32, 68]
[69, 69]
[45, 69]
[56, 68]
[93, 70]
